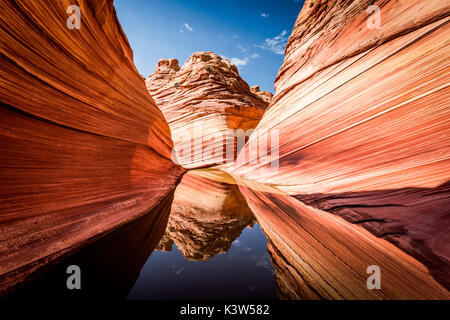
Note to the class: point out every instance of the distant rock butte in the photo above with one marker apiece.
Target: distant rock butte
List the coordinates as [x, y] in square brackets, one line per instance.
[362, 116]
[264, 95]
[203, 102]
[85, 147]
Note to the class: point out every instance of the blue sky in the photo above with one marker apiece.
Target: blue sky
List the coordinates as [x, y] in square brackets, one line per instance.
[252, 34]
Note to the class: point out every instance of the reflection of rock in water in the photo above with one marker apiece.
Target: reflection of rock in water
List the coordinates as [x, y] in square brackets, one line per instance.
[208, 214]
[200, 235]
[110, 266]
[165, 244]
[317, 255]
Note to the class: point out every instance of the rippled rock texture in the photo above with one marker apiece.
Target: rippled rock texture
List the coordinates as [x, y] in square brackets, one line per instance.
[362, 116]
[204, 101]
[208, 214]
[84, 149]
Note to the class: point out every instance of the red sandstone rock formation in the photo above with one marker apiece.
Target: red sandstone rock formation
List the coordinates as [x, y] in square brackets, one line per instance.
[362, 117]
[84, 149]
[204, 102]
[208, 214]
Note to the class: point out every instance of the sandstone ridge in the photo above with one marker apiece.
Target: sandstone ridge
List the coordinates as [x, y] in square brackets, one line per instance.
[362, 116]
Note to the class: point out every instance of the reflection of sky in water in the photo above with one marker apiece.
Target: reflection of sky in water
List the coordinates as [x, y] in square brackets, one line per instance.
[243, 272]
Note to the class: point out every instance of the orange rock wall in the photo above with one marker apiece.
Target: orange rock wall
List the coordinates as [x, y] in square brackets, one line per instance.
[84, 148]
[362, 118]
[361, 109]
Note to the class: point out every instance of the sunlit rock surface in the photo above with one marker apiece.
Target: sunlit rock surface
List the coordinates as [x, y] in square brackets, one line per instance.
[208, 214]
[362, 117]
[204, 101]
[84, 149]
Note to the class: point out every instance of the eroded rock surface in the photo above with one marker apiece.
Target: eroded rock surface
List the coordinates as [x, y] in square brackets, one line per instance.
[204, 102]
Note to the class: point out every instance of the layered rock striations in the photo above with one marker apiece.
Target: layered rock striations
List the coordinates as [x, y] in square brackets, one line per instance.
[84, 147]
[361, 113]
[208, 214]
[204, 101]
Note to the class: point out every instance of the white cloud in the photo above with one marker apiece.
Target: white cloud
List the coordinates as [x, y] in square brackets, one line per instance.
[243, 49]
[265, 15]
[235, 36]
[276, 44]
[188, 27]
[179, 271]
[239, 62]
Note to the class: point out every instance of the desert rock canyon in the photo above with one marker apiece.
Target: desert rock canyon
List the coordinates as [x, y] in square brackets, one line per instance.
[90, 150]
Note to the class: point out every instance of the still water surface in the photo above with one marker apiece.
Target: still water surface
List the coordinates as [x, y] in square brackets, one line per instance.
[244, 271]
[201, 242]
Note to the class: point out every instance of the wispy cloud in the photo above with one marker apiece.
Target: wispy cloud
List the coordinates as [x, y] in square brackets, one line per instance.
[235, 36]
[239, 62]
[179, 271]
[276, 44]
[265, 263]
[265, 15]
[242, 48]
[186, 27]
